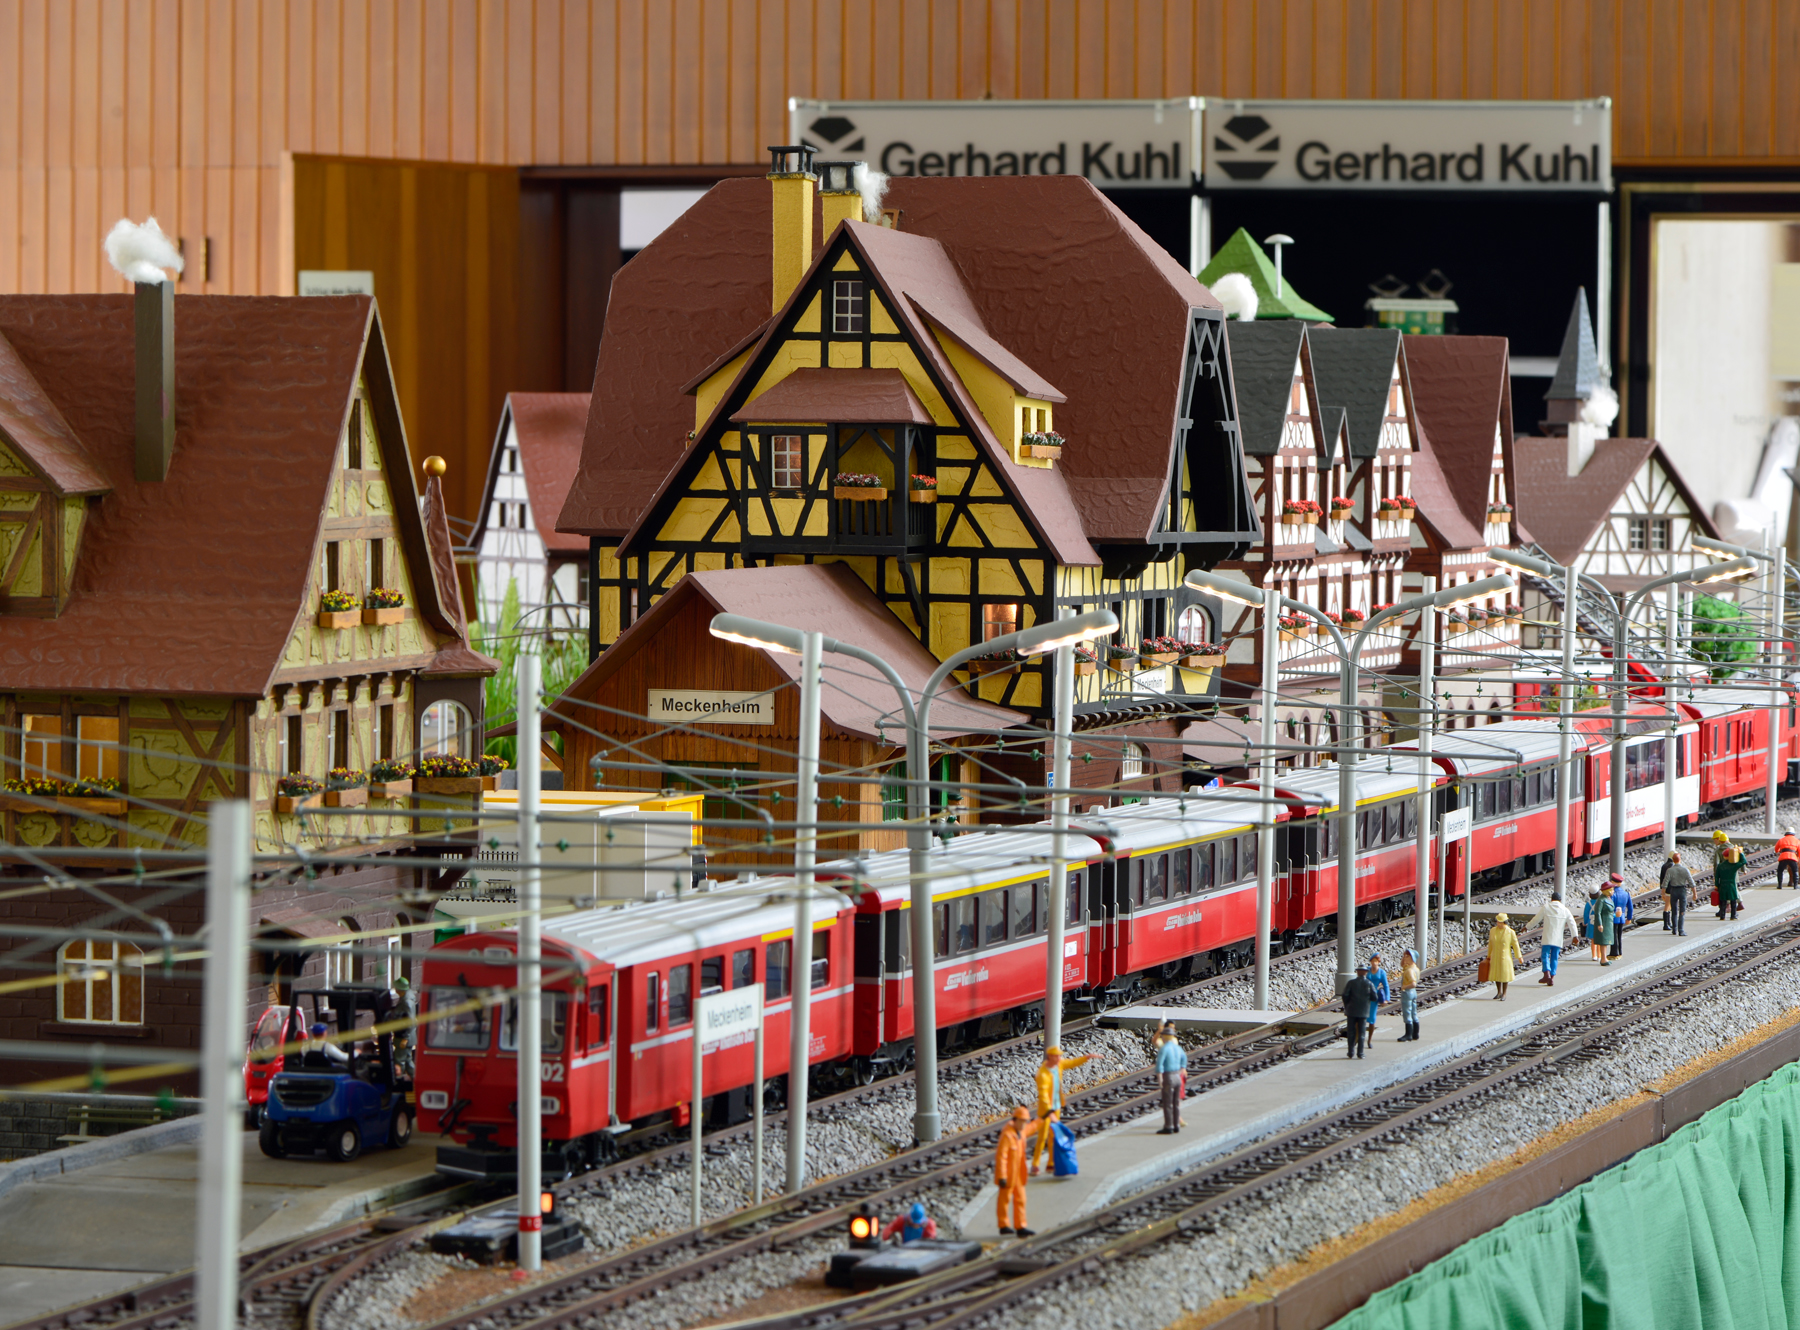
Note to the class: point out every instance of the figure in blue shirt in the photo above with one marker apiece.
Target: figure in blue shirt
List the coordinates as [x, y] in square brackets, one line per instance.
[1378, 978]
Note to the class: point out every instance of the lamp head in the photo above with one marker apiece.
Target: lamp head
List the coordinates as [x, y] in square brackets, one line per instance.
[1715, 546]
[1722, 572]
[1065, 632]
[756, 633]
[1225, 588]
[1486, 586]
[1525, 562]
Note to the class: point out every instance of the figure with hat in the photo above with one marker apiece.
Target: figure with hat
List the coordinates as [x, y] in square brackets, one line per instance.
[1725, 882]
[1624, 911]
[1009, 1171]
[1359, 1002]
[1787, 859]
[911, 1225]
[1378, 979]
[1503, 951]
[1597, 923]
[1050, 1097]
[1559, 927]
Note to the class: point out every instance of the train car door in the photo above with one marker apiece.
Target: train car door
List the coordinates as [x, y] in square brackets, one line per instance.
[869, 976]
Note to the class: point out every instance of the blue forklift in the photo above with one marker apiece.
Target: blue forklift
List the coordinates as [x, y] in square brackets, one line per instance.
[317, 1102]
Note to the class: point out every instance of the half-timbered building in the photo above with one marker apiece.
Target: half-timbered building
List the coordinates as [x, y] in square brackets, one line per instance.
[166, 637]
[997, 402]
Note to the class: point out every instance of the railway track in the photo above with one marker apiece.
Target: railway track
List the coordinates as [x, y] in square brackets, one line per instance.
[987, 1291]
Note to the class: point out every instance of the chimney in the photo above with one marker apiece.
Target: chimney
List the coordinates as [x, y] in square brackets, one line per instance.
[840, 197]
[155, 348]
[791, 179]
[1582, 437]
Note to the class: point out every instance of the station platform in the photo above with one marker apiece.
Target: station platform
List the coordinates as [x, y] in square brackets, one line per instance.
[1132, 1156]
[81, 1235]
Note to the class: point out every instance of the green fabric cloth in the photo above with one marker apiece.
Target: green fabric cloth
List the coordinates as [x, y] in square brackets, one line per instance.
[1701, 1232]
[1725, 878]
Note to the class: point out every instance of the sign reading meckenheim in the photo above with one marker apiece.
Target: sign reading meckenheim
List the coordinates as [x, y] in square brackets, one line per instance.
[701, 707]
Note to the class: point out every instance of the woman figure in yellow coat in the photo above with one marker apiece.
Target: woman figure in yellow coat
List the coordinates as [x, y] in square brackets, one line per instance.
[1503, 950]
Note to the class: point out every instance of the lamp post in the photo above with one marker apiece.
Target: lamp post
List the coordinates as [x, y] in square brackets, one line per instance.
[1348, 656]
[1778, 596]
[1711, 572]
[1048, 636]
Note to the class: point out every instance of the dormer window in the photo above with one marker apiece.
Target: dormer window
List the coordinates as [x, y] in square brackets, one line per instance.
[787, 460]
[846, 307]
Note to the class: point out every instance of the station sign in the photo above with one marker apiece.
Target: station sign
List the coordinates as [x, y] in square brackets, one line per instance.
[700, 706]
[1116, 144]
[1456, 824]
[737, 1011]
[1518, 147]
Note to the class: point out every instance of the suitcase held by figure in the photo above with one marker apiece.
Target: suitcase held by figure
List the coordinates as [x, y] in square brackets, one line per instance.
[1481, 973]
[1715, 898]
[1062, 1151]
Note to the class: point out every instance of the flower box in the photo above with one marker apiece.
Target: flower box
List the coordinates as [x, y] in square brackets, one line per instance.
[390, 789]
[868, 493]
[1122, 663]
[394, 615]
[293, 803]
[1452, 628]
[450, 784]
[357, 798]
[66, 804]
[1202, 662]
[340, 618]
[1160, 657]
[1287, 634]
[1084, 667]
[1290, 519]
[922, 496]
[1045, 450]
[1341, 514]
[489, 782]
[1311, 519]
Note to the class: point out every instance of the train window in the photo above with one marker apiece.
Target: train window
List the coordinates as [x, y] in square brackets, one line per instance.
[821, 968]
[1328, 839]
[743, 967]
[1225, 860]
[1183, 882]
[467, 1030]
[1489, 794]
[1394, 821]
[898, 940]
[1368, 827]
[652, 1002]
[599, 1017]
[1075, 915]
[553, 1018]
[777, 961]
[1534, 782]
[1518, 793]
[1156, 878]
[712, 975]
[681, 995]
[940, 930]
[993, 916]
[963, 924]
[1247, 854]
[1025, 908]
[1409, 818]
[1203, 867]
[1136, 869]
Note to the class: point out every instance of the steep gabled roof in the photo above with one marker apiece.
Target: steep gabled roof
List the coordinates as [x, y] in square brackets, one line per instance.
[549, 428]
[1263, 356]
[194, 584]
[822, 598]
[1562, 511]
[1353, 368]
[1578, 364]
[1461, 392]
[1054, 272]
[1241, 254]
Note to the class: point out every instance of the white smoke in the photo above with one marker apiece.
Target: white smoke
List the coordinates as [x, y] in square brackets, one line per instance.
[1235, 293]
[872, 185]
[141, 253]
[1601, 407]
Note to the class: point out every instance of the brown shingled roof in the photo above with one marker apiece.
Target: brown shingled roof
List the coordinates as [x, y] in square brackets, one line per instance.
[193, 585]
[1564, 511]
[846, 396]
[549, 428]
[1461, 389]
[821, 598]
[31, 423]
[1057, 275]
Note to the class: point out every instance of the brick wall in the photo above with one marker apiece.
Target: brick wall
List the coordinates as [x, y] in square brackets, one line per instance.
[31, 1123]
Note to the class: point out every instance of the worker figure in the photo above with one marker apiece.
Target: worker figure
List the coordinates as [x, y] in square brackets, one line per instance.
[911, 1225]
[1009, 1171]
[323, 1047]
[1049, 1098]
[1787, 859]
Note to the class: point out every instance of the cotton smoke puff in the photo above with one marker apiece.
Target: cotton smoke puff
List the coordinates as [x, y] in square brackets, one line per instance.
[141, 253]
[1601, 407]
[872, 185]
[1235, 293]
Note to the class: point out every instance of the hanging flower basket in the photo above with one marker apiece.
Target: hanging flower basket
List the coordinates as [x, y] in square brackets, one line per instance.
[922, 489]
[855, 485]
[1047, 445]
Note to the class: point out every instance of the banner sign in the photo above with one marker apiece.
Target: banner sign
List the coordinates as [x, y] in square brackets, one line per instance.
[1115, 144]
[1411, 145]
[698, 706]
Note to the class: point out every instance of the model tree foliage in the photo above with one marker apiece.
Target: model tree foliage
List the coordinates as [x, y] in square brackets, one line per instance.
[1722, 634]
[563, 661]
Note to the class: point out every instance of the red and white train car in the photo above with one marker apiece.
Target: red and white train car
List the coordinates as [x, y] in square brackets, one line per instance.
[619, 991]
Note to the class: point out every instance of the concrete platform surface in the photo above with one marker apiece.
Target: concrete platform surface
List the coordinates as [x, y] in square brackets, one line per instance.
[1133, 1155]
[76, 1236]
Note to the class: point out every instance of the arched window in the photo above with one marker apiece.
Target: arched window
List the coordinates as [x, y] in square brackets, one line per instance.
[445, 730]
[1193, 625]
[341, 963]
[102, 983]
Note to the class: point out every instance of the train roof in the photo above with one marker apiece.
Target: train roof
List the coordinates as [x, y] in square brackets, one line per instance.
[1703, 703]
[1167, 821]
[633, 932]
[1500, 747]
[970, 862]
[1318, 786]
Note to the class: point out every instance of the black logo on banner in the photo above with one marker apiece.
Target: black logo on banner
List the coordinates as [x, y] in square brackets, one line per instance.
[1246, 148]
[833, 133]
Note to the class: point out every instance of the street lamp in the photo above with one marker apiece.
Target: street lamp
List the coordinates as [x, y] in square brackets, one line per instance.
[1048, 636]
[1348, 656]
[1701, 576]
[1778, 598]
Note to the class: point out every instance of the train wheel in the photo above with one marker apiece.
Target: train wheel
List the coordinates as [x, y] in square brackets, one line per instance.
[269, 1139]
[606, 1148]
[862, 1071]
[1100, 1000]
[774, 1094]
[345, 1142]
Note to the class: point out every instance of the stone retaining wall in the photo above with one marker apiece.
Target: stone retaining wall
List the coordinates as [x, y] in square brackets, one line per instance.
[30, 1123]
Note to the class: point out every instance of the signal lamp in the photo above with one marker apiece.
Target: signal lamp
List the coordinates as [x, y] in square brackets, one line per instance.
[547, 1203]
[864, 1227]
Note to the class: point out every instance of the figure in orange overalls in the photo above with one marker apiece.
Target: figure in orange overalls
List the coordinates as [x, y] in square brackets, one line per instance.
[1009, 1171]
